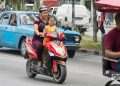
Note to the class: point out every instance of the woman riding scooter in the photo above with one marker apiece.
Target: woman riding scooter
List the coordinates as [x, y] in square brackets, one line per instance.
[53, 61]
[39, 26]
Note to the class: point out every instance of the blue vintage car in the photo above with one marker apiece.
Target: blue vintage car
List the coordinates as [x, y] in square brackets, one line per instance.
[15, 26]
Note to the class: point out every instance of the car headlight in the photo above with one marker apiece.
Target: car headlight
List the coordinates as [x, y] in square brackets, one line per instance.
[77, 38]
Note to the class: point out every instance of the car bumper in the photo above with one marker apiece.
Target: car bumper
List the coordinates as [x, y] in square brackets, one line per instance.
[86, 26]
[72, 46]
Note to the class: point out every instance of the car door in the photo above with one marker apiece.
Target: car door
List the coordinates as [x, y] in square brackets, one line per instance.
[4, 19]
[1, 31]
[9, 33]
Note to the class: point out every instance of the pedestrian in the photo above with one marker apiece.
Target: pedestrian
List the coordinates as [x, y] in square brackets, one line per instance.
[112, 43]
[66, 24]
[100, 22]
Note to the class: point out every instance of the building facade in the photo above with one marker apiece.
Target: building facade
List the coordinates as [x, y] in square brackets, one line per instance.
[29, 4]
[87, 3]
[35, 4]
[51, 3]
[21, 4]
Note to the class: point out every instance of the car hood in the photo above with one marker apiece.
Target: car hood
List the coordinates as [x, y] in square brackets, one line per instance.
[69, 31]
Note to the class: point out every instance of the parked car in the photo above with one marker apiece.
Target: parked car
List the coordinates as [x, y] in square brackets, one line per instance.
[15, 26]
[82, 15]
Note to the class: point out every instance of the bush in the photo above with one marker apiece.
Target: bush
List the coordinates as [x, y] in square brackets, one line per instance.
[88, 43]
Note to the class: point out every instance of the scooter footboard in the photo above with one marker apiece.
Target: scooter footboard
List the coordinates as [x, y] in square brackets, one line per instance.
[111, 66]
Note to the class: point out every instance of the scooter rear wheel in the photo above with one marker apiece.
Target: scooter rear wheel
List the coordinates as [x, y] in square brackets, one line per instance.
[29, 72]
[60, 76]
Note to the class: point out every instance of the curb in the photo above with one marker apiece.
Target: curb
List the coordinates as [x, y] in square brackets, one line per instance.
[93, 51]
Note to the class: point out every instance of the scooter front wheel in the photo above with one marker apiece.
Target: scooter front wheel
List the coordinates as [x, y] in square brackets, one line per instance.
[61, 74]
[29, 72]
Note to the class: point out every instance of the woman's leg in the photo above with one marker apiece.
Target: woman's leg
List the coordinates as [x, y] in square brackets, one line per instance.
[37, 45]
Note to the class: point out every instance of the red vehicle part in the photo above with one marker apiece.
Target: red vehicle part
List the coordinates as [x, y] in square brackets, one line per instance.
[108, 5]
[58, 49]
[54, 66]
[30, 50]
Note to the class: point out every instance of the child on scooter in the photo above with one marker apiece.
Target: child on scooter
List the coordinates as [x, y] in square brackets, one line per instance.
[51, 27]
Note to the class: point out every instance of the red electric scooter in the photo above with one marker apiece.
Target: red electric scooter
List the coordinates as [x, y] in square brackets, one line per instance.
[56, 55]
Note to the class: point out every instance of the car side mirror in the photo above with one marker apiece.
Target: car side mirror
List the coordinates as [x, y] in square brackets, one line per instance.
[6, 17]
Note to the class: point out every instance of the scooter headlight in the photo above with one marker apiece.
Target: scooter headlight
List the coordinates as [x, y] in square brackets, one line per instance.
[51, 54]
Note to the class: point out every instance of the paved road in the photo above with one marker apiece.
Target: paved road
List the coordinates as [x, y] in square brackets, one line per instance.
[83, 70]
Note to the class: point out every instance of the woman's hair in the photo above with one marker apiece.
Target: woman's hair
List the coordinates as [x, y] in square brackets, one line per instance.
[117, 18]
[43, 8]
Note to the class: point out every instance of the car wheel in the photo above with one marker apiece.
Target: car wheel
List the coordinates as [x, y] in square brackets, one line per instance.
[71, 53]
[22, 48]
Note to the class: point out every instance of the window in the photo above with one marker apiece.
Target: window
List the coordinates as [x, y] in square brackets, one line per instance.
[27, 19]
[29, 1]
[1, 19]
[4, 19]
[13, 20]
[70, 1]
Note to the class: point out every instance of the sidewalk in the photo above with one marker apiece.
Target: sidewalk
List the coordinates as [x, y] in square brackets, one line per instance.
[90, 33]
[93, 51]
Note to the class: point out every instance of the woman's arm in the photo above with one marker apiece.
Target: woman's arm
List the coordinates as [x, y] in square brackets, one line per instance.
[37, 30]
[44, 31]
[112, 54]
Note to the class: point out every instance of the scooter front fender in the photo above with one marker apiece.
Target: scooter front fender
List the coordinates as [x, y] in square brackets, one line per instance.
[56, 63]
[61, 62]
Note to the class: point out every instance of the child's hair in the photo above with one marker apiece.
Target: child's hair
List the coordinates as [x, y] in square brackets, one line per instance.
[54, 19]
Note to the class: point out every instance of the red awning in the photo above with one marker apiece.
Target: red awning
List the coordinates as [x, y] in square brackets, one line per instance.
[108, 5]
[51, 3]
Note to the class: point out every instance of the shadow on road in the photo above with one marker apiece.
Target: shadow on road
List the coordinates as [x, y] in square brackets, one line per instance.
[9, 51]
[45, 80]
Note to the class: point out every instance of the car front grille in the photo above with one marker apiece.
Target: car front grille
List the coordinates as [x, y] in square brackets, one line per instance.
[70, 38]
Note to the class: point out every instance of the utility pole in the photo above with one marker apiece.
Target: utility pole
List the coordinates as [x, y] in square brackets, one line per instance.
[73, 12]
[94, 21]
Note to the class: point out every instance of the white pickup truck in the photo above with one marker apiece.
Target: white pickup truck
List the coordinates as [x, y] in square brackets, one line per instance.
[82, 15]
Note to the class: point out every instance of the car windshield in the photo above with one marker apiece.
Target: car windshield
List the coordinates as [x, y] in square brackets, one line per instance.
[28, 18]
